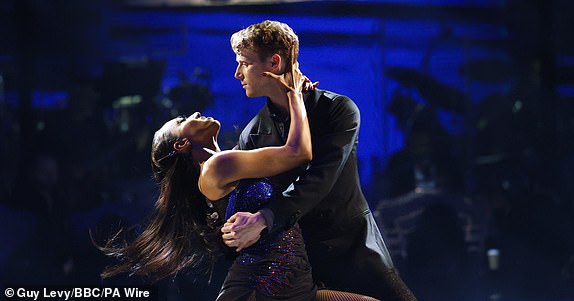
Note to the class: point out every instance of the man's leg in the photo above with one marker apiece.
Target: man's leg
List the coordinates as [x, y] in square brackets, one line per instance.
[362, 266]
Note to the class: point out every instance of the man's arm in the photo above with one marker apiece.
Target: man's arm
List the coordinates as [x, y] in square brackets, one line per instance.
[331, 149]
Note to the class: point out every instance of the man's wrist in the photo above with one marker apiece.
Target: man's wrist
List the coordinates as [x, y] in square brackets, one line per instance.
[268, 218]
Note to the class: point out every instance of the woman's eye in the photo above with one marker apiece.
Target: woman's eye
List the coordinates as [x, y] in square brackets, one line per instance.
[181, 119]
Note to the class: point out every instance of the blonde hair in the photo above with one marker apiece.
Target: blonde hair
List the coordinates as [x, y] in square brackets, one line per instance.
[265, 39]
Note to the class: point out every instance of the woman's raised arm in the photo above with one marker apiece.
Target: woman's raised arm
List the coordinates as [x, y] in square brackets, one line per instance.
[223, 169]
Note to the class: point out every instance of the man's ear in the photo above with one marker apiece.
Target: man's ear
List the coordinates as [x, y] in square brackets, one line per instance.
[182, 145]
[276, 62]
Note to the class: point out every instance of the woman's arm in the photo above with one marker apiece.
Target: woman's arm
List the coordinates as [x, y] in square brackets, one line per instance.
[223, 169]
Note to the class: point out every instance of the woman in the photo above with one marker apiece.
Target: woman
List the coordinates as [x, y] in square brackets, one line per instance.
[192, 171]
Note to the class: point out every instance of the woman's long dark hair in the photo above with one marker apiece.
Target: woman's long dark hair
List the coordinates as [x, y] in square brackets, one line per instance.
[178, 235]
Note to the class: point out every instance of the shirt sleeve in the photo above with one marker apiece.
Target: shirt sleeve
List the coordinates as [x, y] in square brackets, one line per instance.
[269, 218]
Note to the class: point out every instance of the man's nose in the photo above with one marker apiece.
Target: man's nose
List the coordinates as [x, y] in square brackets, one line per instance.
[237, 73]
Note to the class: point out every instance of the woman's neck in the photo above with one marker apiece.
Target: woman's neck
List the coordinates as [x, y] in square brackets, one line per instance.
[204, 151]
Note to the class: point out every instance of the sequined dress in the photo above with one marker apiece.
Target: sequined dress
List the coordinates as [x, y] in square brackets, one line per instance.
[276, 267]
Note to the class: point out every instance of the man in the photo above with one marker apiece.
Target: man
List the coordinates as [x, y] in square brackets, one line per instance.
[345, 247]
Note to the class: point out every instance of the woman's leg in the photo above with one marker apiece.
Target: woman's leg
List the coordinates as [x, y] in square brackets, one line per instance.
[236, 286]
[330, 295]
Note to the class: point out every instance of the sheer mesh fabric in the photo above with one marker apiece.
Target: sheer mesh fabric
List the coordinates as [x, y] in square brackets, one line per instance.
[330, 295]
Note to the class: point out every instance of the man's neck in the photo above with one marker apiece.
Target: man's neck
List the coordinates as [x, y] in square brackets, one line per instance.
[280, 102]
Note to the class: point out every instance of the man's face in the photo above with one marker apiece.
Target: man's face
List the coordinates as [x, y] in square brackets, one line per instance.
[250, 72]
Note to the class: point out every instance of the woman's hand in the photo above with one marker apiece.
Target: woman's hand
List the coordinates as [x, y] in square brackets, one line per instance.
[243, 229]
[308, 85]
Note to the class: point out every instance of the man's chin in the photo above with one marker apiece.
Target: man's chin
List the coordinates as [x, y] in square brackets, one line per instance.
[251, 95]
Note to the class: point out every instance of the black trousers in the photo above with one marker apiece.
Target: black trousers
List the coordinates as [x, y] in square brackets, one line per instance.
[358, 262]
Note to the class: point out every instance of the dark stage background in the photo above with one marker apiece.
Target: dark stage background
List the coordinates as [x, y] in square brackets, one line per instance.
[465, 146]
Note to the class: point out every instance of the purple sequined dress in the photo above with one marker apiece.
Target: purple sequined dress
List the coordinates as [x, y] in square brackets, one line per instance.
[276, 267]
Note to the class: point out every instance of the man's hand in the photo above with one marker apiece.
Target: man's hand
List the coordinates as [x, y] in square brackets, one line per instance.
[243, 229]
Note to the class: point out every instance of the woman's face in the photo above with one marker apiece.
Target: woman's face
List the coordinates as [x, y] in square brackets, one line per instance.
[196, 128]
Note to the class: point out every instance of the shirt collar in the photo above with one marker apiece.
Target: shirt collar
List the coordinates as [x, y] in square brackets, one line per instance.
[276, 113]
